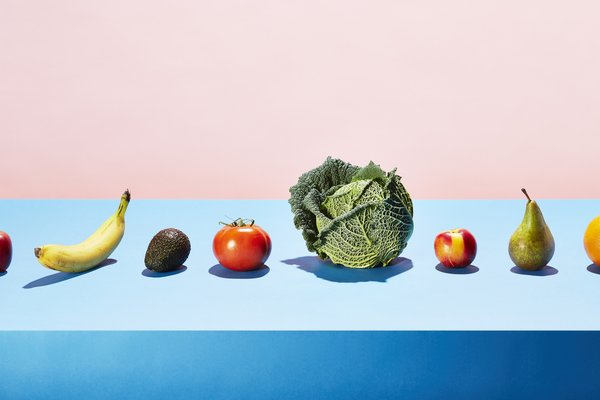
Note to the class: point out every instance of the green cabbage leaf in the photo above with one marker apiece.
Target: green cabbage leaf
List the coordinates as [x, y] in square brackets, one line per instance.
[357, 217]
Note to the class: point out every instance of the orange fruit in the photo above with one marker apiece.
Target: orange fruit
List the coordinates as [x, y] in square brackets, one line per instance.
[591, 240]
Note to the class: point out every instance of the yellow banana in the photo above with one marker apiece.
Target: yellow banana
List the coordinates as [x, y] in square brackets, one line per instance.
[92, 251]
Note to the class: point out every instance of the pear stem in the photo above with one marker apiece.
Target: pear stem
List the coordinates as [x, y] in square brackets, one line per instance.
[525, 192]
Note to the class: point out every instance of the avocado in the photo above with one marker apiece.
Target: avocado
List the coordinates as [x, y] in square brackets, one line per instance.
[167, 250]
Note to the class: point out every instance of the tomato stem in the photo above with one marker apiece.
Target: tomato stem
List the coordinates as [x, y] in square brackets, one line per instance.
[239, 222]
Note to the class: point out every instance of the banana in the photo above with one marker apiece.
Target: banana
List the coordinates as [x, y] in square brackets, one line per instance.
[92, 251]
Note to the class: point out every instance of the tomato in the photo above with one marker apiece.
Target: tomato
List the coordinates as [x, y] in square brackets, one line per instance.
[242, 246]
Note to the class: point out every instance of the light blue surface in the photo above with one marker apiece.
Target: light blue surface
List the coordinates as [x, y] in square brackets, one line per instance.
[297, 291]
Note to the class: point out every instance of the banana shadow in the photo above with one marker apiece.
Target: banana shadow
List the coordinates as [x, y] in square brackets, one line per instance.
[469, 269]
[222, 272]
[594, 269]
[329, 271]
[153, 274]
[64, 276]
[546, 271]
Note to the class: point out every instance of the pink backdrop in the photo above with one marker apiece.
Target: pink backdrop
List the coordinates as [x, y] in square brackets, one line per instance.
[235, 99]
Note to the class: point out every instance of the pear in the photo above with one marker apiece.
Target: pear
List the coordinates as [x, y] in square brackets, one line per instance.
[531, 246]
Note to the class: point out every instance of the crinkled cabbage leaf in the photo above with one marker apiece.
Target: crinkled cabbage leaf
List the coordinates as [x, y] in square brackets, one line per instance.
[357, 217]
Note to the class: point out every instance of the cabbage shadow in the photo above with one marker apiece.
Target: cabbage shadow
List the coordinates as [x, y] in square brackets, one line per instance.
[546, 271]
[64, 276]
[594, 269]
[469, 269]
[336, 273]
[153, 274]
[226, 273]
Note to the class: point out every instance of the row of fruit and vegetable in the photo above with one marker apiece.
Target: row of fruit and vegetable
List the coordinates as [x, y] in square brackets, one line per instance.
[355, 217]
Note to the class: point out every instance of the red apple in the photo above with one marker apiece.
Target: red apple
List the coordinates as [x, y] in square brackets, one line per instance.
[5, 251]
[455, 248]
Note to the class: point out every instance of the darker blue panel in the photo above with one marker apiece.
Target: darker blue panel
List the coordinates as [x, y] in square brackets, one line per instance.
[299, 365]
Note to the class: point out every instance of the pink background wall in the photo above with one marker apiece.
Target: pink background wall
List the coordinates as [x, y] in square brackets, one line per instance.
[235, 99]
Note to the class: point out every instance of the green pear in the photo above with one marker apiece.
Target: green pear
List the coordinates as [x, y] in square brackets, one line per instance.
[531, 246]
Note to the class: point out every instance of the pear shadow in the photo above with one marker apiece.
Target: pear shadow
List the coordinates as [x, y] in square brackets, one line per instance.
[226, 273]
[3, 273]
[329, 271]
[153, 274]
[546, 271]
[594, 269]
[64, 276]
[469, 269]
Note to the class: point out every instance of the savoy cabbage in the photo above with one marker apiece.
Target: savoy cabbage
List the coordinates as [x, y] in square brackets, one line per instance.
[357, 217]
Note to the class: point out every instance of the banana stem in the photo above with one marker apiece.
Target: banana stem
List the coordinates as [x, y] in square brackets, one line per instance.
[125, 198]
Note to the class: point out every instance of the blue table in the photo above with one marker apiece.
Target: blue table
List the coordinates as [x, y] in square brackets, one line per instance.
[410, 365]
[148, 336]
[297, 291]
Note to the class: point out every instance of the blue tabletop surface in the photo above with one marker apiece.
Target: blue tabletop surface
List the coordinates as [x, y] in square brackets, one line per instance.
[297, 291]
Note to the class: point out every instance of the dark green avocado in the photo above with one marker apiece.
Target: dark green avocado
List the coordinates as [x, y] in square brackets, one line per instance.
[167, 250]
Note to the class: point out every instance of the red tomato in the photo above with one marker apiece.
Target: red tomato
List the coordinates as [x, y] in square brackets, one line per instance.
[242, 246]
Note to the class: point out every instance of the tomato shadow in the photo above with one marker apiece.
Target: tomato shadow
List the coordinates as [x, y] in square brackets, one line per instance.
[594, 269]
[153, 274]
[329, 271]
[469, 269]
[226, 273]
[546, 271]
[64, 276]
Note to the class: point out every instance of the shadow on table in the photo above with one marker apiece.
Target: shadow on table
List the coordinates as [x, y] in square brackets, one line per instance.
[153, 274]
[594, 269]
[546, 271]
[64, 276]
[336, 273]
[469, 269]
[3, 273]
[222, 272]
